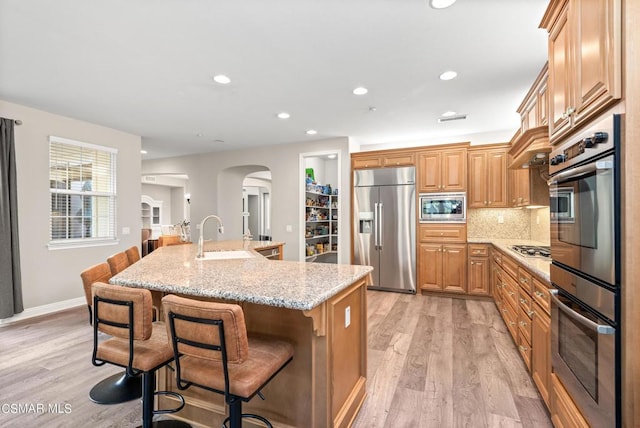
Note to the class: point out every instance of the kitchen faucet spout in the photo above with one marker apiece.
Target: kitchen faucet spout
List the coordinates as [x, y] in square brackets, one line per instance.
[201, 238]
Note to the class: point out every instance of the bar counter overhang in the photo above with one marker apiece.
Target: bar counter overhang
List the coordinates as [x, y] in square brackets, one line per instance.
[320, 308]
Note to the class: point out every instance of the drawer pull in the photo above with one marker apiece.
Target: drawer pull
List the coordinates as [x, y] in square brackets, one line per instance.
[523, 348]
[539, 294]
[511, 293]
[524, 301]
[530, 313]
[512, 323]
[523, 324]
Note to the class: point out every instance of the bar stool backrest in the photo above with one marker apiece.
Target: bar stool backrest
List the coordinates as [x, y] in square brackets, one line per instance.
[117, 310]
[118, 262]
[133, 254]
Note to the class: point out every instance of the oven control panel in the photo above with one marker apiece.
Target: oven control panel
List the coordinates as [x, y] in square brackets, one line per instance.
[591, 142]
[578, 148]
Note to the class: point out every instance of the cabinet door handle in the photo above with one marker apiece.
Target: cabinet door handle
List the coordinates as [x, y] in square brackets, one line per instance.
[523, 324]
[523, 348]
[489, 202]
[485, 202]
[472, 263]
[539, 294]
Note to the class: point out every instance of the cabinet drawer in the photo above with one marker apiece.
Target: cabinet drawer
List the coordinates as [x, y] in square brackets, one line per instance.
[524, 325]
[510, 291]
[511, 320]
[525, 351]
[497, 256]
[525, 303]
[399, 159]
[443, 232]
[564, 412]
[366, 162]
[478, 250]
[541, 295]
[510, 267]
[524, 280]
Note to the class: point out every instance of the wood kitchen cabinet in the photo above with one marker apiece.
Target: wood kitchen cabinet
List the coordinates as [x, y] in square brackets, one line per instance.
[382, 159]
[487, 178]
[564, 412]
[527, 187]
[443, 267]
[541, 359]
[478, 282]
[533, 110]
[442, 257]
[443, 170]
[585, 67]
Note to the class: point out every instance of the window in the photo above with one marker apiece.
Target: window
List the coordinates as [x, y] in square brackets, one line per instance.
[83, 193]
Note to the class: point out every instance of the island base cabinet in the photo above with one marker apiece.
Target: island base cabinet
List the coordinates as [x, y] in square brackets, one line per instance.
[325, 383]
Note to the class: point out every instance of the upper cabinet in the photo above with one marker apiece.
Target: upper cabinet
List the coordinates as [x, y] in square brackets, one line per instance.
[534, 108]
[585, 68]
[391, 158]
[443, 170]
[487, 180]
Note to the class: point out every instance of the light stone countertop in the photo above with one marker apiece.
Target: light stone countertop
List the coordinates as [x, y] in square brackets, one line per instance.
[538, 266]
[279, 283]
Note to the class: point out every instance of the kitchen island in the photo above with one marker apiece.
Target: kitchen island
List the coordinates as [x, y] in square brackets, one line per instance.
[320, 308]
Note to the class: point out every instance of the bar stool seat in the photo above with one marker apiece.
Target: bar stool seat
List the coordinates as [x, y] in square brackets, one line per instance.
[213, 351]
[136, 343]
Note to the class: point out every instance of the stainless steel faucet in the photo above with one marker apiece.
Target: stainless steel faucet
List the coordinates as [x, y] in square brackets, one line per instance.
[201, 238]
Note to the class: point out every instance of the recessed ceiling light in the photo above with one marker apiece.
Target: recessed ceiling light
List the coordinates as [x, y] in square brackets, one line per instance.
[222, 79]
[143, 152]
[360, 90]
[441, 4]
[332, 156]
[448, 113]
[312, 132]
[199, 134]
[284, 115]
[448, 75]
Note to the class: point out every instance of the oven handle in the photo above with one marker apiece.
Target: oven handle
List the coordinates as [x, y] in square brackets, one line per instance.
[600, 329]
[580, 171]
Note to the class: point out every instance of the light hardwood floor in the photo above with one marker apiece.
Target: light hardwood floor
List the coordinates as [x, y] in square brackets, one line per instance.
[433, 362]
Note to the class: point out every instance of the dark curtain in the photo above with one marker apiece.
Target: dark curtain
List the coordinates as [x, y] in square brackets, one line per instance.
[10, 280]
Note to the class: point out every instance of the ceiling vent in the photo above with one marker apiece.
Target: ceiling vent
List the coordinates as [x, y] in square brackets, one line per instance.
[150, 178]
[450, 118]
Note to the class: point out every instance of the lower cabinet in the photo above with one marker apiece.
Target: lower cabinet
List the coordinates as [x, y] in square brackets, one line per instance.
[564, 412]
[541, 359]
[443, 267]
[479, 281]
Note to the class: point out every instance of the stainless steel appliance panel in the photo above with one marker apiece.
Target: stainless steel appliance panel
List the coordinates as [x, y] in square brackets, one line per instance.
[447, 207]
[365, 242]
[583, 354]
[397, 244]
[384, 217]
[586, 241]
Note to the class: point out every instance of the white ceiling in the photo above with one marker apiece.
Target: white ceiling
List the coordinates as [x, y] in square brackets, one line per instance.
[146, 67]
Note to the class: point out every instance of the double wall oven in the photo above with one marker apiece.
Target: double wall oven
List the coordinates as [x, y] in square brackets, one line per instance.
[585, 272]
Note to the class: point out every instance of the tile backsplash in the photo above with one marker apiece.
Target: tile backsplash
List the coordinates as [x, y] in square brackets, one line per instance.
[517, 223]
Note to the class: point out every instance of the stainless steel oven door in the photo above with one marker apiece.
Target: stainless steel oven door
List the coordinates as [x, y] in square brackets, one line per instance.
[583, 358]
[585, 241]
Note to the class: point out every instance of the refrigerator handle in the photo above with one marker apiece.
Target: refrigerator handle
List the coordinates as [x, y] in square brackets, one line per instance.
[375, 225]
[380, 224]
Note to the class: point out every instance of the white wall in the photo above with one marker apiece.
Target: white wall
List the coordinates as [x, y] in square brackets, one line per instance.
[53, 276]
[215, 182]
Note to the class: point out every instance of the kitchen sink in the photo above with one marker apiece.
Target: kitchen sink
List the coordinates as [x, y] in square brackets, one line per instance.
[226, 255]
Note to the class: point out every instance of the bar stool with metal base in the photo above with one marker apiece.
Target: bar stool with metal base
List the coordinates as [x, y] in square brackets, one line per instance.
[137, 343]
[120, 387]
[212, 351]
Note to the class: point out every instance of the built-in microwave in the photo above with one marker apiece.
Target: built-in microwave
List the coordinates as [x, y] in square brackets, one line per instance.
[443, 207]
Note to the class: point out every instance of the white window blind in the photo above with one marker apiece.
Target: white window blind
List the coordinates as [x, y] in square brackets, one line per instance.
[83, 192]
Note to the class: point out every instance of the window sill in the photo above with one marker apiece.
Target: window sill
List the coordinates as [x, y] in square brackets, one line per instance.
[69, 245]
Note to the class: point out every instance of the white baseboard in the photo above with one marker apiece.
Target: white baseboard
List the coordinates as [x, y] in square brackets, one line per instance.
[44, 310]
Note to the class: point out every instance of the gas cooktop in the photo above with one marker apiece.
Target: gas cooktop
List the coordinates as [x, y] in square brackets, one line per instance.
[533, 251]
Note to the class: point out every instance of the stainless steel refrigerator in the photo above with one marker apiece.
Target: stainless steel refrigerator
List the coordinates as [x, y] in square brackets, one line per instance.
[384, 226]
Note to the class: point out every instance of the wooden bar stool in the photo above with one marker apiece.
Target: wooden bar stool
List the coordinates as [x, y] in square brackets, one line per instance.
[137, 343]
[120, 387]
[212, 351]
